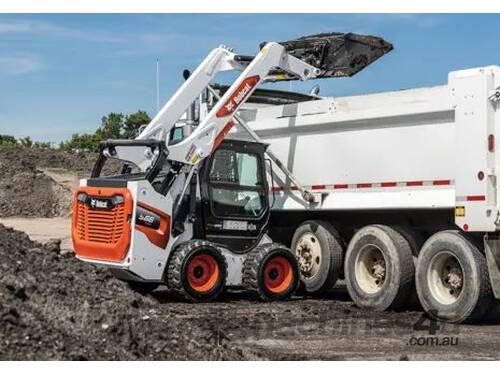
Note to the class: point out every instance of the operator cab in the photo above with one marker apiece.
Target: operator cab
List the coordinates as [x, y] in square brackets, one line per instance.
[234, 195]
[231, 206]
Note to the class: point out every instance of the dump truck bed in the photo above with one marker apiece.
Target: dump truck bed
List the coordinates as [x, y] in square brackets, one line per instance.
[420, 148]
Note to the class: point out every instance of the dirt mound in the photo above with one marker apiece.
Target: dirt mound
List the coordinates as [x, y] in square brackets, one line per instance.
[53, 306]
[30, 183]
[49, 158]
[26, 191]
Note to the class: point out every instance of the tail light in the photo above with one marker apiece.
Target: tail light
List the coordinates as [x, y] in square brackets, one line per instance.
[491, 143]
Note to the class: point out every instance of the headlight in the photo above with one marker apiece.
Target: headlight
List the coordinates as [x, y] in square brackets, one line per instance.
[82, 197]
[118, 199]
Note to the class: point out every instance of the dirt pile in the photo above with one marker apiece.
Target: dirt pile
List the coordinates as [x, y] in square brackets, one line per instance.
[80, 163]
[39, 182]
[26, 191]
[53, 306]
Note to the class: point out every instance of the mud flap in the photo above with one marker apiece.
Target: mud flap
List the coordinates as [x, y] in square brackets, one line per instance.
[492, 251]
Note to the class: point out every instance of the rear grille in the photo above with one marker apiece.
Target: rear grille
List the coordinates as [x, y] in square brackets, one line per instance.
[102, 226]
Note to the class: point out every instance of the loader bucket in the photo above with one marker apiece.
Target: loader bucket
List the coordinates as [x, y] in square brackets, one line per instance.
[337, 54]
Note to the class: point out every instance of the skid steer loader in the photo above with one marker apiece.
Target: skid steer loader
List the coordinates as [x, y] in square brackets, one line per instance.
[189, 208]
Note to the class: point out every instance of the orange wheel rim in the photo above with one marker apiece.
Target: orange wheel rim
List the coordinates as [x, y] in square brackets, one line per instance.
[203, 273]
[278, 274]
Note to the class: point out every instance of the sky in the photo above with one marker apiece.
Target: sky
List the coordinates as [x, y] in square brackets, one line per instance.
[60, 73]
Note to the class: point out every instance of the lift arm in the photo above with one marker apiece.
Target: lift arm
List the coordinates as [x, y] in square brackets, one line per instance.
[212, 130]
[317, 56]
[218, 122]
[219, 59]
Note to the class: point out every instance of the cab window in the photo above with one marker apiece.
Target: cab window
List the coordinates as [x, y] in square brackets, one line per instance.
[236, 184]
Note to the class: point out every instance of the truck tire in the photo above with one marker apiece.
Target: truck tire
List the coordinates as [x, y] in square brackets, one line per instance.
[319, 251]
[415, 240]
[379, 268]
[452, 278]
[271, 272]
[197, 271]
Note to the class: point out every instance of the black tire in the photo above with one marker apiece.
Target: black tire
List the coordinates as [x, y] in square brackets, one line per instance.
[467, 303]
[258, 272]
[181, 278]
[415, 240]
[329, 264]
[379, 268]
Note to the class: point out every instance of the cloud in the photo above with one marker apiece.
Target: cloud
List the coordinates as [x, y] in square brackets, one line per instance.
[90, 36]
[56, 31]
[18, 65]
[14, 27]
[124, 44]
[119, 44]
[153, 38]
[155, 44]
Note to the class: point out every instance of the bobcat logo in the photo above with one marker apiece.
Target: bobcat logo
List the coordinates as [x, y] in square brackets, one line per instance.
[238, 96]
[97, 203]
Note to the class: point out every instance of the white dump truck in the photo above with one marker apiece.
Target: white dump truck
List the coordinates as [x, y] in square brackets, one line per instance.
[239, 187]
[405, 188]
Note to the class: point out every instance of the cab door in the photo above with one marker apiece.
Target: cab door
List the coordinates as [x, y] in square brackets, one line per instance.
[234, 195]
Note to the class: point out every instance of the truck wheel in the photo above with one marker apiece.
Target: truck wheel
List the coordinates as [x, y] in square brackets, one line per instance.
[452, 278]
[197, 271]
[379, 268]
[271, 272]
[318, 248]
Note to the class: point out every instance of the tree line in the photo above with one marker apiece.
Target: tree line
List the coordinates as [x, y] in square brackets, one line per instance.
[113, 126]
[25, 142]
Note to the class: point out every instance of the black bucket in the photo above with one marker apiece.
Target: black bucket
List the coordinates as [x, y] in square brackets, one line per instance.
[336, 54]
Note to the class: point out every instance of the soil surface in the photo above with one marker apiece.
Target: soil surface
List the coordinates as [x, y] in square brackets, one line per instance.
[53, 306]
[43, 229]
[38, 182]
